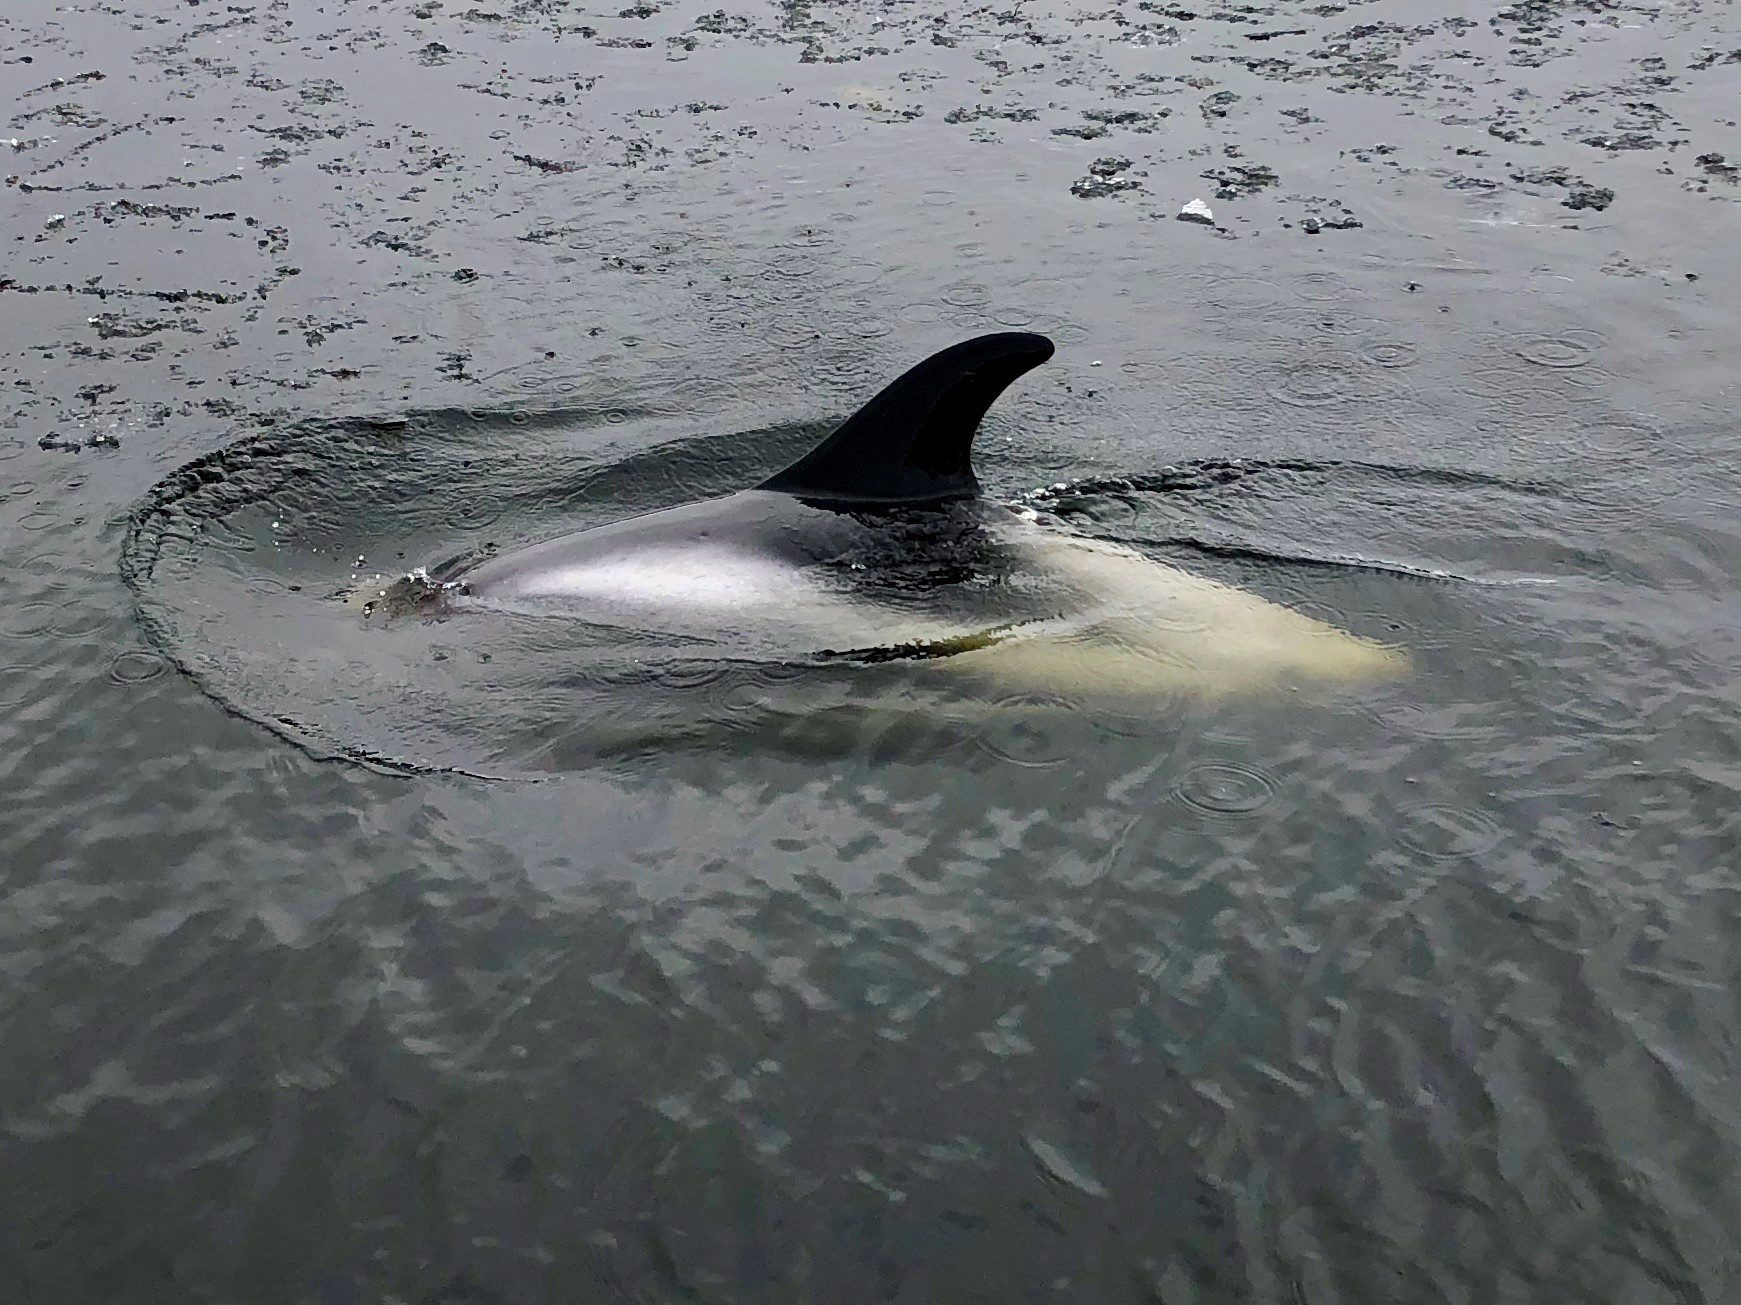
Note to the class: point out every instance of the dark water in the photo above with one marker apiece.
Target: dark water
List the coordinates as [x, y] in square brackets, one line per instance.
[1423, 992]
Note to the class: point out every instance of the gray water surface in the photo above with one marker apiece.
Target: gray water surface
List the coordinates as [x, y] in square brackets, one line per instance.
[726, 987]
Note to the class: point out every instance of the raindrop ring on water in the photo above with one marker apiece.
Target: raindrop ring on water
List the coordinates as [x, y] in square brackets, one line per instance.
[1320, 287]
[136, 667]
[1015, 738]
[795, 266]
[1558, 351]
[1391, 353]
[1446, 832]
[1221, 789]
[967, 294]
[1317, 382]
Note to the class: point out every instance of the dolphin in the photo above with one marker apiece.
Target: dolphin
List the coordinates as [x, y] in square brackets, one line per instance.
[878, 545]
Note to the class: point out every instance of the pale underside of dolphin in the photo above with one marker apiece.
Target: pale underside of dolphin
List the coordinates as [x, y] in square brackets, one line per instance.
[877, 545]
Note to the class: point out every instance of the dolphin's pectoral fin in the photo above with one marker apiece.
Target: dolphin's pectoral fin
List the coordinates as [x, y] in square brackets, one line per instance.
[913, 442]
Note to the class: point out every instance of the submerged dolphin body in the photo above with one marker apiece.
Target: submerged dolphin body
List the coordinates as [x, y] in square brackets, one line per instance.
[878, 545]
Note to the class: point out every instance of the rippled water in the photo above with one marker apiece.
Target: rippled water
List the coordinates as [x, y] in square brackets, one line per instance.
[341, 963]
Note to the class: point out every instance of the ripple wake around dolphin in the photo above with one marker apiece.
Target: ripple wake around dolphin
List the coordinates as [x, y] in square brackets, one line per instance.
[867, 596]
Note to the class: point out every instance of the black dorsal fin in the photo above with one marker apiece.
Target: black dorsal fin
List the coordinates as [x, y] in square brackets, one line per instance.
[913, 442]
